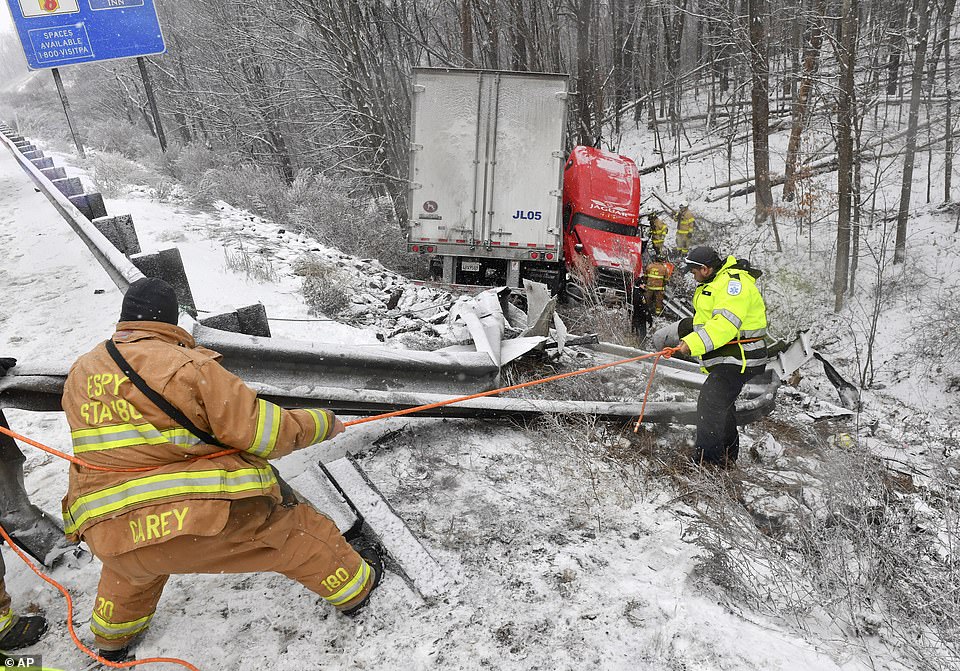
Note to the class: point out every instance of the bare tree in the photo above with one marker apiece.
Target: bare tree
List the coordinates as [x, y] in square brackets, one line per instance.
[586, 76]
[811, 62]
[846, 55]
[916, 83]
[759, 94]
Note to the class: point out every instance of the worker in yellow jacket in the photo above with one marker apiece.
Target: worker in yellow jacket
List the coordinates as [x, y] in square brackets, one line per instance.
[155, 499]
[727, 334]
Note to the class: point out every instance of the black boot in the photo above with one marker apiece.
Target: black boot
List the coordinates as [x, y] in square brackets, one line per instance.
[370, 552]
[124, 654]
[23, 632]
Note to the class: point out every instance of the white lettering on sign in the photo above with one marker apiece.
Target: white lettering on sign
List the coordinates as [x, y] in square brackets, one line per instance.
[61, 43]
[32, 8]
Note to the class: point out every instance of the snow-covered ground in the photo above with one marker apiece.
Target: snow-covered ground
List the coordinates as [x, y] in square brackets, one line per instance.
[574, 545]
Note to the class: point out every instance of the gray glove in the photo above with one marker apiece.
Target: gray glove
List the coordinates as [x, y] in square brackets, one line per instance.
[668, 336]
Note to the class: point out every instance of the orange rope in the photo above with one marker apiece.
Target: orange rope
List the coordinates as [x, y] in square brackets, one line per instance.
[667, 352]
[73, 633]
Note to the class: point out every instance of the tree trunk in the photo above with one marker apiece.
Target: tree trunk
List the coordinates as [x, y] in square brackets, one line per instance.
[948, 130]
[757, 16]
[466, 31]
[585, 80]
[847, 56]
[916, 83]
[811, 63]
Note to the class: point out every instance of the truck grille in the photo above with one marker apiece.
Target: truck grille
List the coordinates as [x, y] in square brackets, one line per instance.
[613, 279]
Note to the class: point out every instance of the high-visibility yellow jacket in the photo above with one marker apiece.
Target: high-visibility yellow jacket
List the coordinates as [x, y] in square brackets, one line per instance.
[729, 307]
[113, 425]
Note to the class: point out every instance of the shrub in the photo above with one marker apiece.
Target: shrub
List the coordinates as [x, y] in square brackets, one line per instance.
[325, 288]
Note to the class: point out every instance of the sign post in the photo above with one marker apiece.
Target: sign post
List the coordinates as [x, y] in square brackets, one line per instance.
[55, 33]
[66, 112]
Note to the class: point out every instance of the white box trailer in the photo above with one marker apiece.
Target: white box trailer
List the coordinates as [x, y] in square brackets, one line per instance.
[486, 160]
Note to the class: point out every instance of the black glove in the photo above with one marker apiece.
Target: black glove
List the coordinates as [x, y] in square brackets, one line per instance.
[6, 363]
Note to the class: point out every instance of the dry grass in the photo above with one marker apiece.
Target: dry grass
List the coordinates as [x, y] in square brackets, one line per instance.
[254, 266]
[866, 559]
[325, 288]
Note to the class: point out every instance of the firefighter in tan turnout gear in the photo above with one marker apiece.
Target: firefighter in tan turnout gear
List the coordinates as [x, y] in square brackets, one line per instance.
[658, 232]
[656, 276]
[685, 226]
[162, 501]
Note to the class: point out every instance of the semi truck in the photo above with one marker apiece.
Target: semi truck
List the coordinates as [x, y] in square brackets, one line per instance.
[494, 198]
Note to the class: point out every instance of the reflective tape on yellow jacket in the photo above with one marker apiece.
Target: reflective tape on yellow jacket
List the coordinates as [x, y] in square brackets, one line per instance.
[268, 428]
[6, 619]
[128, 435]
[353, 587]
[152, 488]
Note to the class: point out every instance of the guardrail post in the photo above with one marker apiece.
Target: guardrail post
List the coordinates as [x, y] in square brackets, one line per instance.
[91, 204]
[251, 320]
[168, 266]
[119, 230]
[53, 173]
[38, 533]
[69, 186]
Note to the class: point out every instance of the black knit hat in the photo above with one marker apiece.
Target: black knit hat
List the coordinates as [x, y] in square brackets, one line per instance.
[703, 256]
[150, 299]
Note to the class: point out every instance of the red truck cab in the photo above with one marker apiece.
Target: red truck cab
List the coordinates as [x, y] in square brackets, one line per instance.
[602, 242]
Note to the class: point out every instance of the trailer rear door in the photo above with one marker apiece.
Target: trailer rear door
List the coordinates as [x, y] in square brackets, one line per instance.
[485, 161]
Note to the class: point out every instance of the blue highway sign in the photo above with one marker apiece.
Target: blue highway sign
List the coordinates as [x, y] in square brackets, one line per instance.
[55, 33]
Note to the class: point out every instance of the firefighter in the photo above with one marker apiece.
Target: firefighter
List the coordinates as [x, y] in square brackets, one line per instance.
[685, 226]
[16, 631]
[657, 275]
[169, 502]
[727, 334]
[658, 232]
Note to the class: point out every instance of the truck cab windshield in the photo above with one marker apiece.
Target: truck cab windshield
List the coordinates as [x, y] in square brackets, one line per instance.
[580, 219]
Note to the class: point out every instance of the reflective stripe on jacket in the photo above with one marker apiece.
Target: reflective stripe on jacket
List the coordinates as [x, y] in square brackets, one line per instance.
[657, 275]
[115, 426]
[658, 231]
[685, 227]
[729, 307]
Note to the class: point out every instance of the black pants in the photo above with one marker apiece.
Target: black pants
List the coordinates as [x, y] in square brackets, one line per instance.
[718, 441]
